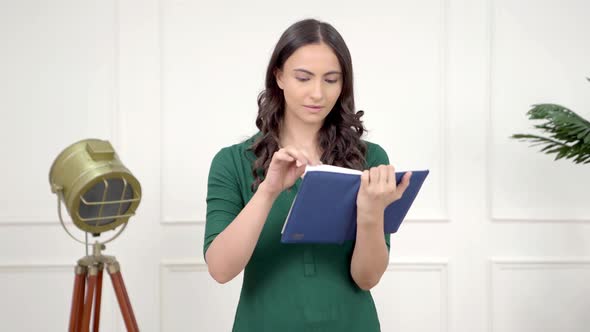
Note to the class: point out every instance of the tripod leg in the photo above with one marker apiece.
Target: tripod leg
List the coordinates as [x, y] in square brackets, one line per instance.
[92, 276]
[77, 298]
[122, 297]
[96, 318]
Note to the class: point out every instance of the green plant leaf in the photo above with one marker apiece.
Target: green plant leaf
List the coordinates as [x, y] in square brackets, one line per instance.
[569, 133]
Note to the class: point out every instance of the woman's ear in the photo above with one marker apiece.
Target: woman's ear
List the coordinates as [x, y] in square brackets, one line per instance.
[279, 78]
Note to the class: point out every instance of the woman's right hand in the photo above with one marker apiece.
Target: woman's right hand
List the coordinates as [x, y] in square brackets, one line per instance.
[286, 165]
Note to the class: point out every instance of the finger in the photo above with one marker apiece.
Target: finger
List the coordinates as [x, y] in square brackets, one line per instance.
[392, 178]
[405, 183]
[384, 174]
[374, 175]
[365, 179]
[282, 156]
[298, 155]
[391, 175]
[293, 153]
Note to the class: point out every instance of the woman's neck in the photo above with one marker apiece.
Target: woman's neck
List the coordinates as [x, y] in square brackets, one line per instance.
[301, 136]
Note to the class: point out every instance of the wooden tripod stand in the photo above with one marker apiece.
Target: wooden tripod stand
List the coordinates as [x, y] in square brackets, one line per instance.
[89, 277]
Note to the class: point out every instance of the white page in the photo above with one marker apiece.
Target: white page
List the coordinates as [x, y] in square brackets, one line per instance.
[333, 169]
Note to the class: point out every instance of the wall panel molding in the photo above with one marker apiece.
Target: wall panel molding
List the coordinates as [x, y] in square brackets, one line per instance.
[498, 264]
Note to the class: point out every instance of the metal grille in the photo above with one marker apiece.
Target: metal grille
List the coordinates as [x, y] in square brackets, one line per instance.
[105, 202]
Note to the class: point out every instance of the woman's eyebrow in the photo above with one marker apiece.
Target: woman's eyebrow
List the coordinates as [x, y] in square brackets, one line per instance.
[312, 74]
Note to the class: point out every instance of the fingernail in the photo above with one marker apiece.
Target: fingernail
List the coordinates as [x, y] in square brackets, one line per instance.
[298, 163]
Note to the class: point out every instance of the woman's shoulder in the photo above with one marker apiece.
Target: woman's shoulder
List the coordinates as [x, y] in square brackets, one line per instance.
[375, 154]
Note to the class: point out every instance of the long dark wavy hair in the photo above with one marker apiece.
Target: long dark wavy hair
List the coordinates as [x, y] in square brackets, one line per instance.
[340, 135]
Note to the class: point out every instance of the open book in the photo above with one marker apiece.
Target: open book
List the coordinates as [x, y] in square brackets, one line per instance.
[324, 210]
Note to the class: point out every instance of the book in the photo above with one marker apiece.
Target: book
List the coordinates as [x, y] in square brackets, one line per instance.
[324, 209]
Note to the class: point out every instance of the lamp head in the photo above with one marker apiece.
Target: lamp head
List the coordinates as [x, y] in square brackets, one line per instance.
[99, 192]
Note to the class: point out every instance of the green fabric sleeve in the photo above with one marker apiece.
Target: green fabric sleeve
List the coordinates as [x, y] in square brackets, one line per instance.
[224, 201]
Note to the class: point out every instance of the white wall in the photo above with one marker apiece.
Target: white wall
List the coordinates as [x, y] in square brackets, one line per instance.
[497, 241]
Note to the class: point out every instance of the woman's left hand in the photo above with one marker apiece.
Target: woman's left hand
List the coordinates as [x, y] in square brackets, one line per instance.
[378, 189]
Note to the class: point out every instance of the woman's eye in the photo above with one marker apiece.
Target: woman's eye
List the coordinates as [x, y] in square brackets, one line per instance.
[302, 79]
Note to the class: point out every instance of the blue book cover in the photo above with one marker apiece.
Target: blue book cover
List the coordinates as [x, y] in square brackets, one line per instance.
[324, 210]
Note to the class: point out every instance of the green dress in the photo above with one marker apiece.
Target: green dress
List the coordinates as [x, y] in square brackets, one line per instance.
[287, 287]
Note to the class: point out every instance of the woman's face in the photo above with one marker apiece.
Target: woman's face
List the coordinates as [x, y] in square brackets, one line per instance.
[310, 77]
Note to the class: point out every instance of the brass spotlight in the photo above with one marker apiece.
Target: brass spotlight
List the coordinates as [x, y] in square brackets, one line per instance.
[98, 191]
[100, 194]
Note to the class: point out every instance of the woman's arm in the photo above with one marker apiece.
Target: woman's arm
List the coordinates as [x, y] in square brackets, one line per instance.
[370, 257]
[231, 250]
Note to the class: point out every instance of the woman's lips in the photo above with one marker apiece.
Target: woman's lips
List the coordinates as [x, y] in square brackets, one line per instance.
[313, 108]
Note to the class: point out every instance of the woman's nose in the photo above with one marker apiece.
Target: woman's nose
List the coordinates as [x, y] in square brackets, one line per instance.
[317, 90]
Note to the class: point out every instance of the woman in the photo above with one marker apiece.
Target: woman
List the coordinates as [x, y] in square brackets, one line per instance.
[306, 116]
